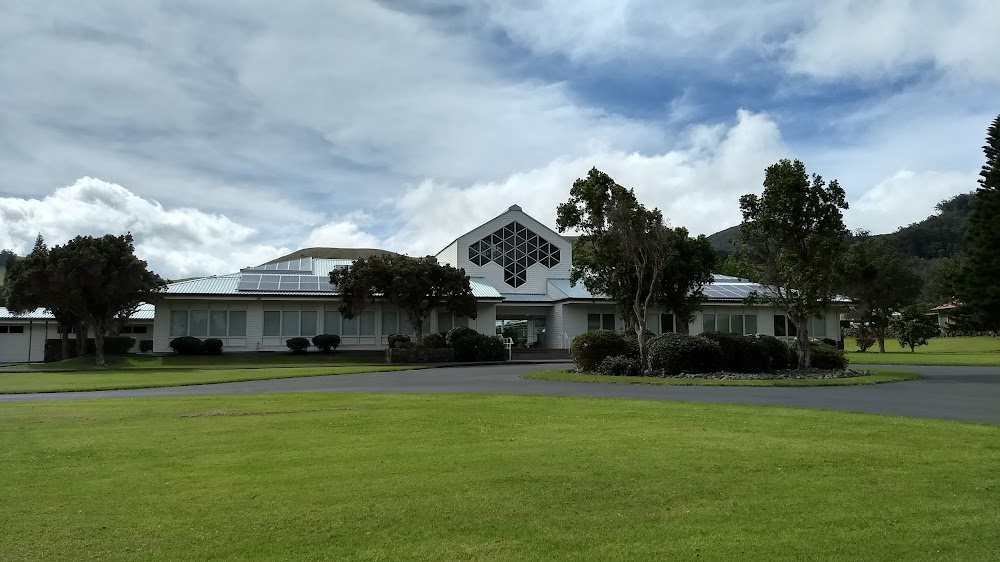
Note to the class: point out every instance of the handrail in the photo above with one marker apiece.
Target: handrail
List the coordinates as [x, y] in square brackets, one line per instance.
[508, 344]
[566, 340]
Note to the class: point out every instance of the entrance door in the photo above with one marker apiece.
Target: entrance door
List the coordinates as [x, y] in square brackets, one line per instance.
[524, 330]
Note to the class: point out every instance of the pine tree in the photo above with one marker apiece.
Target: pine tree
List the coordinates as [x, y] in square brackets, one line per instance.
[981, 276]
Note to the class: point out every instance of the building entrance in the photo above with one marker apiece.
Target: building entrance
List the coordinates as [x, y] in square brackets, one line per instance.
[525, 330]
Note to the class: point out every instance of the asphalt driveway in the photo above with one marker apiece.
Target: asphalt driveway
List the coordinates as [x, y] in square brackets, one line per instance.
[957, 393]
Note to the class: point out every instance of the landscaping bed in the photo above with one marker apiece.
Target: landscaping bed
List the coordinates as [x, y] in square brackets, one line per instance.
[777, 375]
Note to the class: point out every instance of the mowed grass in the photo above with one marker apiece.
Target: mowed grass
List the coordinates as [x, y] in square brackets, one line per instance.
[983, 351]
[876, 376]
[143, 378]
[137, 361]
[486, 477]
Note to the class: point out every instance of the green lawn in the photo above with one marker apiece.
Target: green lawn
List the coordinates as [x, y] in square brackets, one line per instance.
[939, 351]
[481, 477]
[138, 361]
[874, 377]
[143, 378]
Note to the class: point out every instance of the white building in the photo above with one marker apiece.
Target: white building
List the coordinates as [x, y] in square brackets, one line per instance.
[22, 336]
[520, 275]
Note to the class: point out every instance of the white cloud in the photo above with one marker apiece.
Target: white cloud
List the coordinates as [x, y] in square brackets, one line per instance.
[344, 232]
[178, 242]
[904, 198]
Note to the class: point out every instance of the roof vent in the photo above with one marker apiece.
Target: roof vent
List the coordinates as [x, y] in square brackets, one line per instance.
[514, 208]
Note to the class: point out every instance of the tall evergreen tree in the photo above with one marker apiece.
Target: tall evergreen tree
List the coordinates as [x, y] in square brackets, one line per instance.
[980, 293]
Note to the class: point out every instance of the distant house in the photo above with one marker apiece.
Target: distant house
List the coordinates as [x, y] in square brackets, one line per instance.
[945, 313]
[22, 336]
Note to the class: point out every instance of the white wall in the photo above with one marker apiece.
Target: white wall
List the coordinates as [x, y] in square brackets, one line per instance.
[30, 345]
[449, 255]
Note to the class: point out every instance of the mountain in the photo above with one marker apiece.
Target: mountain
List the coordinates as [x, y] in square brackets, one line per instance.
[722, 241]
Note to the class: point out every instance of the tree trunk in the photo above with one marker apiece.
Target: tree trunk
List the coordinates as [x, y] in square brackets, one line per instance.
[81, 339]
[64, 342]
[99, 344]
[802, 339]
[418, 332]
[880, 332]
[640, 335]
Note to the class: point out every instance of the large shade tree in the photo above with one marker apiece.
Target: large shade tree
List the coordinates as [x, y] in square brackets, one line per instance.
[792, 239]
[628, 253]
[980, 280]
[879, 281]
[418, 286]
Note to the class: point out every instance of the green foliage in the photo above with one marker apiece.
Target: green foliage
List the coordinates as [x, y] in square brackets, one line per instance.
[418, 286]
[941, 235]
[396, 339]
[326, 343]
[864, 343]
[419, 354]
[673, 354]
[186, 345]
[741, 354]
[793, 239]
[620, 366]
[212, 346]
[460, 332]
[476, 347]
[117, 345]
[297, 345]
[823, 356]
[914, 327]
[590, 348]
[435, 340]
[777, 351]
[146, 346]
[980, 283]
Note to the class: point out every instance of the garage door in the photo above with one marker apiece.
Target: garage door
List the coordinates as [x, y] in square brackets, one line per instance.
[14, 343]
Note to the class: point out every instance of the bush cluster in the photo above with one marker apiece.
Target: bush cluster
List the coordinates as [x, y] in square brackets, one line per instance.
[821, 355]
[396, 339]
[741, 354]
[186, 345]
[435, 340]
[113, 345]
[470, 345]
[777, 351]
[212, 346]
[589, 349]
[327, 343]
[297, 345]
[146, 346]
[673, 354]
[865, 342]
[620, 366]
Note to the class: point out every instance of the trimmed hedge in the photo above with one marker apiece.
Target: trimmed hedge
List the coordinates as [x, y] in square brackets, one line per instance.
[620, 366]
[673, 354]
[589, 349]
[478, 347]
[419, 355]
[186, 345]
[145, 346]
[741, 354]
[212, 346]
[821, 356]
[395, 339]
[113, 345]
[435, 340]
[327, 343]
[297, 345]
[460, 332]
[777, 350]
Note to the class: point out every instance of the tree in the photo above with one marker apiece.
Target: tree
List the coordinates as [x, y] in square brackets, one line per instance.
[417, 286]
[914, 327]
[102, 280]
[793, 240]
[879, 281]
[627, 253]
[980, 291]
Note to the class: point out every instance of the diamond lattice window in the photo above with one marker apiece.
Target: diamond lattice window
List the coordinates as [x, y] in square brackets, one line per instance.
[515, 249]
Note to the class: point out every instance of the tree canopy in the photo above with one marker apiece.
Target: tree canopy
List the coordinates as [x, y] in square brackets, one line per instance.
[792, 240]
[980, 281]
[879, 282]
[418, 286]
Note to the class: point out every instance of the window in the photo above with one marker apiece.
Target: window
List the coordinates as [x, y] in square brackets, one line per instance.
[217, 320]
[132, 330]
[750, 323]
[11, 329]
[331, 322]
[733, 323]
[367, 323]
[199, 323]
[515, 249]
[290, 323]
[308, 323]
[784, 327]
[600, 321]
[350, 326]
[60, 329]
[272, 323]
[722, 323]
[651, 323]
[708, 323]
[445, 321]
[395, 322]
[817, 327]
[667, 323]
[178, 323]
[237, 323]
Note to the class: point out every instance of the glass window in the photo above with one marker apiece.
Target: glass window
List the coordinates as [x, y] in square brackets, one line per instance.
[736, 321]
[444, 321]
[609, 321]
[750, 324]
[199, 323]
[178, 323]
[779, 325]
[4, 329]
[709, 323]
[593, 322]
[722, 322]
[350, 326]
[368, 323]
[331, 322]
[290, 323]
[461, 322]
[817, 327]
[667, 323]
[651, 323]
[237, 323]
[217, 320]
[17, 329]
[309, 320]
[793, 330]
[390, 321]
[272, 323]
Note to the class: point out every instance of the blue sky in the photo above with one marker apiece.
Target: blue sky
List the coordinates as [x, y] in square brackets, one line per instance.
[224, 133]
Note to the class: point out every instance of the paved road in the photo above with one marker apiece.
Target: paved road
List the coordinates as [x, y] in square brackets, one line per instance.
[959, 393]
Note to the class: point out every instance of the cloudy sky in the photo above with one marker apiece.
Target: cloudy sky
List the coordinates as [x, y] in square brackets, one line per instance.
[222, 133]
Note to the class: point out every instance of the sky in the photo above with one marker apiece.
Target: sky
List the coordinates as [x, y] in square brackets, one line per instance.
[223, 134]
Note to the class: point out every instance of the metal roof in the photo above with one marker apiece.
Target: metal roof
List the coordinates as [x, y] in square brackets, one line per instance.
[562, 289]
[481, 289]
[526, 297]
[144, 312]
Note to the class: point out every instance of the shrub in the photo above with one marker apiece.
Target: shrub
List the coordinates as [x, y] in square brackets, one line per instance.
[118, 345]
[460, 332]
[829, 341]
[865, 342]
[673, 354]
[394, 339]
[404, 344]
[186, 345]
[326, 342]
[590, 348]
[478, 347]
[419, 355]
[620, 366]
[821, 356]
[212, 346]
[297, 345]
[145, 346]
[633, 343]
[435, 340]
[777, 350]
[741, 354]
